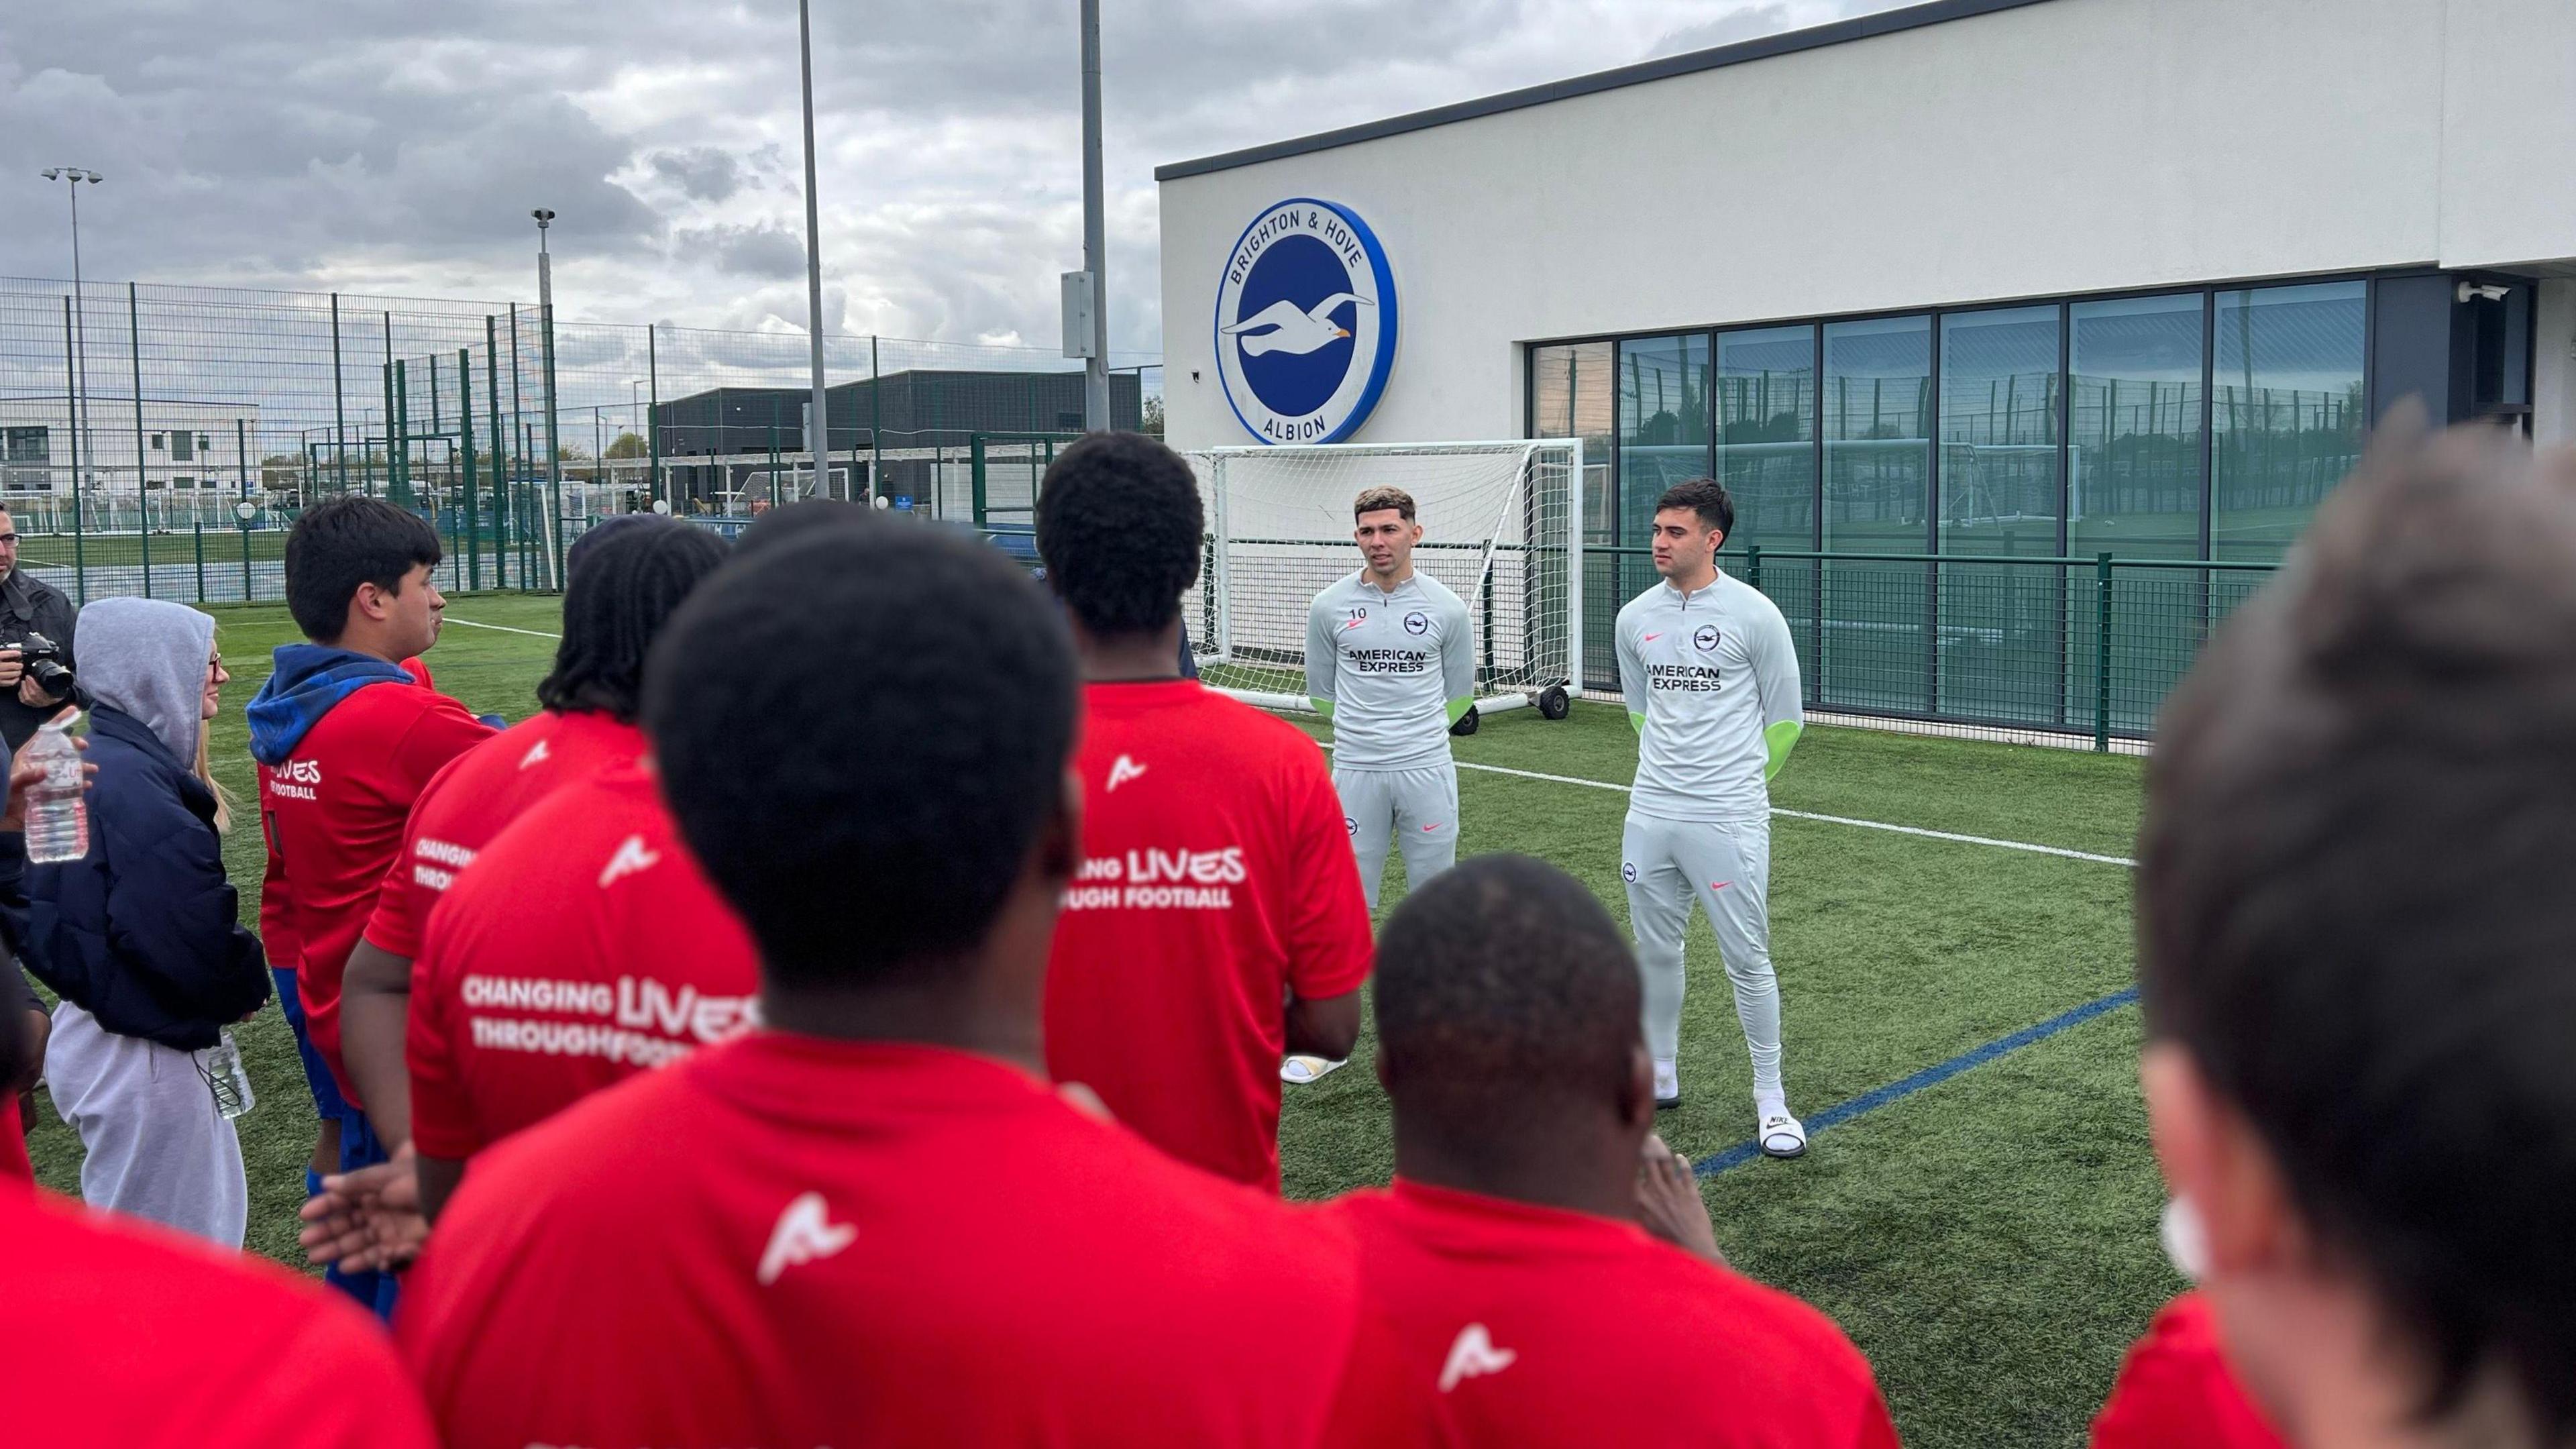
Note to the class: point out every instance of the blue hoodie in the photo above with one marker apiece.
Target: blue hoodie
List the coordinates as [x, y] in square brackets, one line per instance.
[310, 680]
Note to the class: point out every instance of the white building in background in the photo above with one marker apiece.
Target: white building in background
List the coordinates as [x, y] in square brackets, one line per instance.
[185, 448]
[2042, 278]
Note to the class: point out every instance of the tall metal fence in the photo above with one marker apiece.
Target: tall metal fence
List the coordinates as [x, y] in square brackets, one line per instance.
[2080, 649]
[134, 418]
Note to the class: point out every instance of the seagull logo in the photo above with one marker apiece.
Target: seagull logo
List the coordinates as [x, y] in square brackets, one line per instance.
[805, 1234]
[1122, 771]
[632, 857]
[1473, 1356]
[536, 755]
[1283, 326]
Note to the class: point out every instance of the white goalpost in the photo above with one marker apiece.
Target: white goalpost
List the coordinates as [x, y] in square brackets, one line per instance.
[1502, 527]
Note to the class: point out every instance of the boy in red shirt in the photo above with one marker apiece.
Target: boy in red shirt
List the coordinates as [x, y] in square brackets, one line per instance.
[1217, 880]
[1519, 1299]
[585, 946]
[2355, 926]
[825, 1231]
[135, 1336]
[346, 739]
[624, 577]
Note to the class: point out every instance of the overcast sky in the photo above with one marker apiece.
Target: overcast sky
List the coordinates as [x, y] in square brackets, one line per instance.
[393, 147]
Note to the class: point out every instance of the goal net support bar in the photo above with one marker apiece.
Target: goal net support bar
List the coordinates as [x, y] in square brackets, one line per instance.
[1502, 528]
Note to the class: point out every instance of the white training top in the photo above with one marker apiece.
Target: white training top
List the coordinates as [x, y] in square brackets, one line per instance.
[1710, 672]
[1389, 663]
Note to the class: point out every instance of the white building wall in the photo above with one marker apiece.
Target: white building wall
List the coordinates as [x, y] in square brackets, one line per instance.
[2074, 146]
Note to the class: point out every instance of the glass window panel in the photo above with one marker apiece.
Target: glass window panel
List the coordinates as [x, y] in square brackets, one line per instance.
[2286, 411]
[1571, 397]
[1875, 631]
[2001, 627]
[2134, 489]
[1663, 425]
[1766, 457]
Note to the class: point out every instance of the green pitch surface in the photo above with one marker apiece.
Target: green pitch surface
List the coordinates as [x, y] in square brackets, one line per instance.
[1988, 1239]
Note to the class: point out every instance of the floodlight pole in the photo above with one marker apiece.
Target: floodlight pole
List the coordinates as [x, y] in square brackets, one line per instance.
[76, 407]
[820, 440]
[1095, 371]
[554, 448]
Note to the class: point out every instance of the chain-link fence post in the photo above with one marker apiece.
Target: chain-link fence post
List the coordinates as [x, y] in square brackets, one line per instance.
[71, 407]
[142, 482]
[467, 516]
[199, 527]
[500, 453]
[241, 455]
[2102, 654]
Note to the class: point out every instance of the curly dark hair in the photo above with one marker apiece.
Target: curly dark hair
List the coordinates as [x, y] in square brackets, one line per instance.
[627, 578]
[1120, 530]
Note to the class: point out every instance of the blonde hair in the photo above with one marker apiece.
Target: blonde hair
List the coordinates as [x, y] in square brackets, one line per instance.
[203, 770]
[1378, 499]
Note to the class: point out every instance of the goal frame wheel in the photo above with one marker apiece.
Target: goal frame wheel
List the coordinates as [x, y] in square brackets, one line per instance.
[1466, 724]
[1553, 703]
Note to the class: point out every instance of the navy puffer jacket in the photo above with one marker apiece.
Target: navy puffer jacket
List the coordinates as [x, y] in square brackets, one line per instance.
[144, 932]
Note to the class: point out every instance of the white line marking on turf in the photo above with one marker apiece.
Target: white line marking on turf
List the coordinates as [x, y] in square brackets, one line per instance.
[1914, 830]
[503, 628]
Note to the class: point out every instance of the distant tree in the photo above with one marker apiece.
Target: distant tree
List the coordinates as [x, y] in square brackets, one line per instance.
[1152, 426]
[631, 445]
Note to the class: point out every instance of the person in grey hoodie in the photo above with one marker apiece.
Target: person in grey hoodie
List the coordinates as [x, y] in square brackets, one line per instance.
[141, 937]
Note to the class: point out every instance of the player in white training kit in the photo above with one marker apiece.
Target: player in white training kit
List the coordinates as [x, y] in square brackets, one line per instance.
[1391, 661]
[1711, 681]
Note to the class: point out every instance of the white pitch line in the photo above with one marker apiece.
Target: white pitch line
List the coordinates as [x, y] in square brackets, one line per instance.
[503, 628]
[1915, 830]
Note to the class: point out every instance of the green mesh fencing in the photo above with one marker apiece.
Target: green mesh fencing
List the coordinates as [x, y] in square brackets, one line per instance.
[2085, 649]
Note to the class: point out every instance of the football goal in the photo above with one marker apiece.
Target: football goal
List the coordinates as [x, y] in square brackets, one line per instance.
[1501, 526]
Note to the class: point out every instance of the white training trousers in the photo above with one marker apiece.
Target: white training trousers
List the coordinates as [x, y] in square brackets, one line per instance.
[157, 1148]
[1726, 866]
[1418, 807]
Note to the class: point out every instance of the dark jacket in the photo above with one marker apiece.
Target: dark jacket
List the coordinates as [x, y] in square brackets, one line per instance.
[144, 932]
[29, 606]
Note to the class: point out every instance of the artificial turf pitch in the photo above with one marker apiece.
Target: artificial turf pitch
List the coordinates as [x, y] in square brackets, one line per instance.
[1988, 1239]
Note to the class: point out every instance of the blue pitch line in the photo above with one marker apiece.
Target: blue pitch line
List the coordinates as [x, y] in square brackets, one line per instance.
[1870, 1101]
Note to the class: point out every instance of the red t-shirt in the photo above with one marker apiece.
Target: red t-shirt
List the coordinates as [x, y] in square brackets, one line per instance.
[2177, 1390]
[583, 947]
[13, 1141]
[333, 813]
[468, 802]
[788, 1241]
[129, 1335]
[1500, 1322]
[1217, 876]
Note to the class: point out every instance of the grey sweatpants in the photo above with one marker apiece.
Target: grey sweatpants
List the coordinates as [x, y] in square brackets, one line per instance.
[1419, 808]
[1726, 867]
[156, 1146]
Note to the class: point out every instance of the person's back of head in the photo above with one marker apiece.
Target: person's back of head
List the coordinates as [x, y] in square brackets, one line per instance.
[626, 578]
[2358, 955]
[1509, 1034]
[789, 522]
[874, 777]
[342, 543]
[1120, 530]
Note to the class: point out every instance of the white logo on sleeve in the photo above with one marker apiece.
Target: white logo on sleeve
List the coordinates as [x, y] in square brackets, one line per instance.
[1472, 1355]
[536, 755]
[805, 1234]
[632, 858]
[1123, 770]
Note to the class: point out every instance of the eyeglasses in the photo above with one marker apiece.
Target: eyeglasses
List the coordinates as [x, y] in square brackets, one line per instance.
[10, 539]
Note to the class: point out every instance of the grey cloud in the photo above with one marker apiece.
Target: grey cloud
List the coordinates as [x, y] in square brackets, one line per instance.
[1746, 24]
[763, 250]
[703, 173]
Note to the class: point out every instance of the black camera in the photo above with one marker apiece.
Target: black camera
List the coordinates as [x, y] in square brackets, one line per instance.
[43, 659]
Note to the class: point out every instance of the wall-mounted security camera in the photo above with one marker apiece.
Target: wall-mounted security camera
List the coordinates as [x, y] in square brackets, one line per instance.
[2482, 291]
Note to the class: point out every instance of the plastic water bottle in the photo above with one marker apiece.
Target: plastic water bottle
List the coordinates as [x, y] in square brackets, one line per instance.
[57, 816]
[231, 1082]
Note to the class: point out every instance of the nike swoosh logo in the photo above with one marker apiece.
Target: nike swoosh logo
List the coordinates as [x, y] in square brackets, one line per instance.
[1355, 623]
[1651, 638]
[1430, 827]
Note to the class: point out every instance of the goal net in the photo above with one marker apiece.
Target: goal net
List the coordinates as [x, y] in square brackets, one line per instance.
[1500, 527]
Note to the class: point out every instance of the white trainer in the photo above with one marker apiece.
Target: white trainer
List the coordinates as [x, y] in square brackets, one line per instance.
[1303, 1071]
[1668, 1083]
